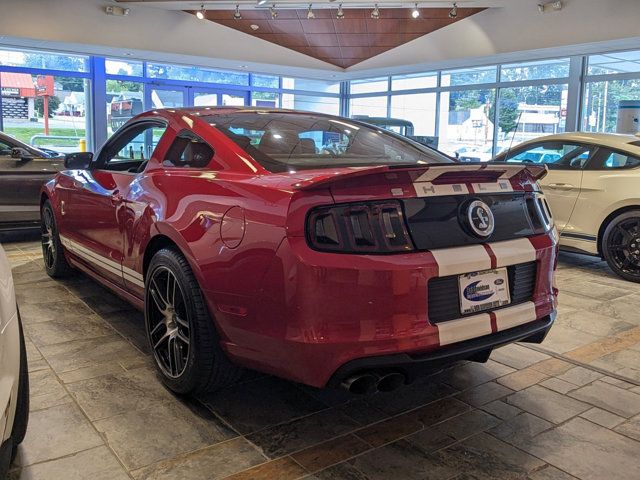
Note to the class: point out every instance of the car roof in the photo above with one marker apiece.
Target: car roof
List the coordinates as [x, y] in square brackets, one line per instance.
[611, 140]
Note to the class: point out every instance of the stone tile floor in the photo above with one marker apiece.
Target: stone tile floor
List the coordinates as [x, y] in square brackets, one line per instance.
[569, 408]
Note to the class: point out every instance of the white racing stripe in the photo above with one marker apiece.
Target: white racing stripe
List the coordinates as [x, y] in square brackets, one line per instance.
[103, 262]
[454, 261]
[511, 252]
[464, 329]
[433, 173]
[428, 189]
[493, 187]
[513, 316]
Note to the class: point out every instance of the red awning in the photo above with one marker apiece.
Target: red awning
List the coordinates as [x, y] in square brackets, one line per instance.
[21, 81]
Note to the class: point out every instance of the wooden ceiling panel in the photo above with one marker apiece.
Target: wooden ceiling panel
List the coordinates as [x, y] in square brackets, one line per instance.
[342, 42]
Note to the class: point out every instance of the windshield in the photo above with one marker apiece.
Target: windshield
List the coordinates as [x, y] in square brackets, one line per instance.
[285, 141]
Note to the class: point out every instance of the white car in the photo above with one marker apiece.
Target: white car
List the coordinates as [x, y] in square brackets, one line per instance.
[14, 380]
[593, 188]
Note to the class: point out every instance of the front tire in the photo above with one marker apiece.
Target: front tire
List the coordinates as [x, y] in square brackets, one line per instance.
[55, 264]
[621, 245]
[182, 335]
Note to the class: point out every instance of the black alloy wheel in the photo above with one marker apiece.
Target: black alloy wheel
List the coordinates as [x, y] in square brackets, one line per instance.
[169, 328]
[621, 245]
[182, 333]
[55, 264]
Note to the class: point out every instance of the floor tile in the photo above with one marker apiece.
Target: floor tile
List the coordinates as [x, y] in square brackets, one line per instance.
[67, 328]
[96, 464]
[580, 376]
[501, 410]
[414, 395]
[609, 397]
[587, 451]
[547, 404]
[282, 469]
[56, 432]
[522, 379]
[142, 437]
[401, 460]
[302, 433]
[472, 374]
[518, 356]
[342, 471]
[212, 463]
[110, 395]
[485, 393]
[486, 457]
[254, 405]
[330, 452]
[602, 417]
[558, 385]
[53, 309]
[630, 428]
[520, 428]
[552, 366]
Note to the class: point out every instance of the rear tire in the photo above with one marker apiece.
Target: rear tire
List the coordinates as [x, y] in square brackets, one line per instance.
[21, 418]
[55, 264]
[621, 245]
[182, 335]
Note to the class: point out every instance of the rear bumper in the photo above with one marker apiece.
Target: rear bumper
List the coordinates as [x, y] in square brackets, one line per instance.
[413, 366]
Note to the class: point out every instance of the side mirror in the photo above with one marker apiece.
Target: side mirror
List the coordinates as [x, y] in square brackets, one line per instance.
[78, 161]
[21, 154]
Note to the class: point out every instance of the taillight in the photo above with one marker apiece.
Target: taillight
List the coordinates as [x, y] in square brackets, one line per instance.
[371, 227]
[539, 212]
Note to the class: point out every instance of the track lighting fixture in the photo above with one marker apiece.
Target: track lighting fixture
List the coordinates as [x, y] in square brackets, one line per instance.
[340, 14]
[375, 13]
[274, 13]
[415, 13]
[200, 13]
[237, 15]
[453, 13]
[310, 14]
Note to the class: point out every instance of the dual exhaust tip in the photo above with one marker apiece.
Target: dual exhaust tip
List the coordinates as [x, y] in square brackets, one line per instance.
[366, 383]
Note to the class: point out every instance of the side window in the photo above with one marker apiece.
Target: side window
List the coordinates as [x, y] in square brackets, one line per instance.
[5, 149]
[560, 155]
[189, 151]
[613, 160]
[130, 150]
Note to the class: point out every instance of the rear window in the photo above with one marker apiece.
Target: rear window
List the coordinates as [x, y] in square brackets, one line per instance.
[285, 141]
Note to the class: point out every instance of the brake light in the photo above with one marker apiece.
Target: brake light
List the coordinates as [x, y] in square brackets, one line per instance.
[371, 227]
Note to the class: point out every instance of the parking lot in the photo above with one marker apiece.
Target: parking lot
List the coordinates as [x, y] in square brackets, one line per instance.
[569, 408]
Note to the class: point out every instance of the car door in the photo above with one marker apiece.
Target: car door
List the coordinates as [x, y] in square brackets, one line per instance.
[610, 180]
[20, 182]
[93, 210]
[562, 184]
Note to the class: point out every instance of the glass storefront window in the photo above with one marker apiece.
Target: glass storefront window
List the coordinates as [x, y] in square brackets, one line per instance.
[265, 99]
[329, 105]
[468, 76]
[44, 60]
[123, 67]
[310, 85]
[465, 125]
[196, 74]
[369, 85]
[557, 68]
[266, 81]
[609, 106]
[46, 111]
[166, 98]
[419, 109]
[618, 62]
[368, 106]
[125, 100]
[530, 112]
[414, 81]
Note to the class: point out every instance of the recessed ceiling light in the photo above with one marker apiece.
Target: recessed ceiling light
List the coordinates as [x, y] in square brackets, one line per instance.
[254, 26]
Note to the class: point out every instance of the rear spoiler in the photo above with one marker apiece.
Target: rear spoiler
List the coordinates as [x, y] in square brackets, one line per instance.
[443, 173]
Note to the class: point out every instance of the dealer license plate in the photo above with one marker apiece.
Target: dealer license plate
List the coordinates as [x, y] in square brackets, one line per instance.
[484, 290]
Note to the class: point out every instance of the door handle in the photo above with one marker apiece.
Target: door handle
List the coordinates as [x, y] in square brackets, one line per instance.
[561, 186]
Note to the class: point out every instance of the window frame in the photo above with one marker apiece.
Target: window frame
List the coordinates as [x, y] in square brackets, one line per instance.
[597, 160]
[189, 134]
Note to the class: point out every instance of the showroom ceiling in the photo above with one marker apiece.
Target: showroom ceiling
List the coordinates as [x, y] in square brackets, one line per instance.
[342, 36]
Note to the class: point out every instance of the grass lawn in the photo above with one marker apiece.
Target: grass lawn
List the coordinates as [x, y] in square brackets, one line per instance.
[24, 134]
